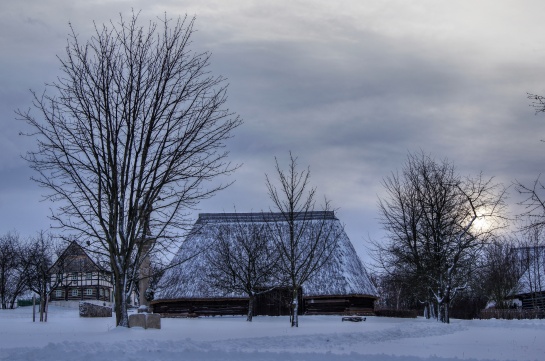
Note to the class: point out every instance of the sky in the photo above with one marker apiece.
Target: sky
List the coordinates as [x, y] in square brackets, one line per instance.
[349, 87]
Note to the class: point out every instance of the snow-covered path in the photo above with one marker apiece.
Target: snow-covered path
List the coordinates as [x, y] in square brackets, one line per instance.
[68, 337]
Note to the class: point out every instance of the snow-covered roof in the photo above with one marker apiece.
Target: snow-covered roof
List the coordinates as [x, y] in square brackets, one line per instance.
[344, 274]
[533, 279]
[75, 259]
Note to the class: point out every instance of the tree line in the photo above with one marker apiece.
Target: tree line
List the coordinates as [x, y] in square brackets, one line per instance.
[24, 268]
[449, 241]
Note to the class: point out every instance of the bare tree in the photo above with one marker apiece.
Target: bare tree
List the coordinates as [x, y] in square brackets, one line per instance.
[531, 246]
[531, 258]
[436, 225]
[500, 271]
[534, 201]
[39, 256]
[130, 139]
[304, 239]
[242, 259]
[12, 280]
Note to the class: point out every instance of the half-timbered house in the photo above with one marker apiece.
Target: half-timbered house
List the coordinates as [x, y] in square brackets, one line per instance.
[76, 277]
[341, 286]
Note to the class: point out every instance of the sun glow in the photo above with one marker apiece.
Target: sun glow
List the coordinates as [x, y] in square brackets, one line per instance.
[484, 222]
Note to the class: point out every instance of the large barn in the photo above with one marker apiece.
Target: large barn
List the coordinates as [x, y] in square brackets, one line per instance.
[342, 286]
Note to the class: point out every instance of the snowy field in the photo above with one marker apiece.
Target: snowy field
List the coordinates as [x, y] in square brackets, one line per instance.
[68, 337]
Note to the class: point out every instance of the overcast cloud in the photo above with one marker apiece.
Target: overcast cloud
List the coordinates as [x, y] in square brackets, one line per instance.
[349, 87]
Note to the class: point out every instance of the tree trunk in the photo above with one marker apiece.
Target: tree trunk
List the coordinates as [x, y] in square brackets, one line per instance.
[144, 273]
[3, 290]
[433, 313]
[426, 311]
[250, 308]
[41, 308]
[121, 314]
[46, 307]
[295, 305]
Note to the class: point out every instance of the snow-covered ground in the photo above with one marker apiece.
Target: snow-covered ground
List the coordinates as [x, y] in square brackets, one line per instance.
[66, 336]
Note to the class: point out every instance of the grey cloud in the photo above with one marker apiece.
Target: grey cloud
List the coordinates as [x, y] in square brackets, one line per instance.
[350, 100]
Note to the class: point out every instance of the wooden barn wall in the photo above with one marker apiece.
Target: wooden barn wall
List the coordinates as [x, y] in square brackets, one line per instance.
[201, 307]
[339, 305]
[274, 303]
[533, 301]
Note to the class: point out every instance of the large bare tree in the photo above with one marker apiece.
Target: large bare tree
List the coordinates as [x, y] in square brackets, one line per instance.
[129, 136]
[304, 238]
[534, 194]
[438, 223]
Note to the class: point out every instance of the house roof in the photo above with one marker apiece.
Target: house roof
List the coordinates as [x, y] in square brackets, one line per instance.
[344, 274]
[75, 259]
[262, 217]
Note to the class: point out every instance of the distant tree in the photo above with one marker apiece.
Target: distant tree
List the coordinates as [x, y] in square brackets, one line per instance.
[437, 224]
[531, 245]
[241, 259]
[157, 268]
[129, 138]
[395, 291]
[500, 271]
[531, 258]
[534, 201]
[38, 257]
[303, 241]
[12, 281]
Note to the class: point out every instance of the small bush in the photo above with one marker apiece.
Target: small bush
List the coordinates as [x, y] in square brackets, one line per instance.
[27, 302]
[385, 312]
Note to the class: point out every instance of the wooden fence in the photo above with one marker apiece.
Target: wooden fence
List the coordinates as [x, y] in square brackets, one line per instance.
[512, 314]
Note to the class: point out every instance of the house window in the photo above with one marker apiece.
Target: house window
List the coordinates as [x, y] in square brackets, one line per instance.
[101, 292]
[88, 275]
[58, 293]
[75, 292]
[74, 276]
[88, 292]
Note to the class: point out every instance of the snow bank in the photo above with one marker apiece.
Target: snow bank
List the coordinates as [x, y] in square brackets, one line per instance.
[68, 337]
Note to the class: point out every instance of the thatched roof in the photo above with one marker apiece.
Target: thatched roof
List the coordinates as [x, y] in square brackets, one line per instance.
[344, 274]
